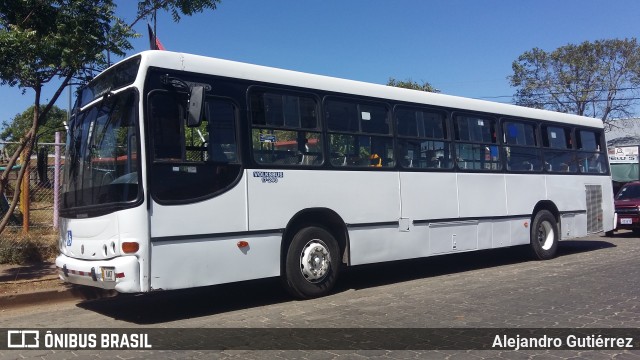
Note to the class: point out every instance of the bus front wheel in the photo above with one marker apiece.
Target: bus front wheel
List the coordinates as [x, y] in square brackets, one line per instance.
[312, 263]
[544, 235]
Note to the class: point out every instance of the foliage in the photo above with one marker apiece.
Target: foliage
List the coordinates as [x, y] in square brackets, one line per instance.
[598, 79]
[21, 123]
[410, 84]
[175, 7]
[42, 40]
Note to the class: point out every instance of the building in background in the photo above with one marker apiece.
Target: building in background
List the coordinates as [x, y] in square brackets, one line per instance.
[623, 140]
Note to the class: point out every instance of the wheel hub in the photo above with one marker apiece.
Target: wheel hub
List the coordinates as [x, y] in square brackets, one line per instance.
[545, 235]
[315, 261]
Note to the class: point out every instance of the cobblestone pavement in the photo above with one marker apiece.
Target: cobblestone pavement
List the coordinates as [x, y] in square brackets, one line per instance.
[593, 283]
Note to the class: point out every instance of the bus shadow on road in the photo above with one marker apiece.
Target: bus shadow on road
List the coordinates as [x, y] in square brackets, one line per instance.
[172, 305]
[166, 306]
[366, 276]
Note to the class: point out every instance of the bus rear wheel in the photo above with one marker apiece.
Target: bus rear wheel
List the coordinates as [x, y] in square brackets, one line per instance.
[312, 263]
[544, 235]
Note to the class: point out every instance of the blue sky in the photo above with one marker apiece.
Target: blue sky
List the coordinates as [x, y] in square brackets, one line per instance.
[462, 47]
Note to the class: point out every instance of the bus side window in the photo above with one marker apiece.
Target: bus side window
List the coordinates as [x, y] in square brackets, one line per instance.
[423, 138]
[521, 146]
[285, 128]
[359, 133]
[558, 153]
[591, 154]
[477, 143]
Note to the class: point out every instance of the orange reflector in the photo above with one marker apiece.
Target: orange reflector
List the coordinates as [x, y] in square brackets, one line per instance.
[242, 244]
[130, 247]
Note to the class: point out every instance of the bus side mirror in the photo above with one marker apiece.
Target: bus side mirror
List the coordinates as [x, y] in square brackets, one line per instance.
[196, 106]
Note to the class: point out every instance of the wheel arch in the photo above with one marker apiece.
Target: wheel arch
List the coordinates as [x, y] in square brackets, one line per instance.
[322, 217]
[549, 206]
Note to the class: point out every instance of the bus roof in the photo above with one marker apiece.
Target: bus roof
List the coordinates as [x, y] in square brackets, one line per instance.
[226, 68]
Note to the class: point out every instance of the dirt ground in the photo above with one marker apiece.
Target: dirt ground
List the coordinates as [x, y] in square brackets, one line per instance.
[16, 279]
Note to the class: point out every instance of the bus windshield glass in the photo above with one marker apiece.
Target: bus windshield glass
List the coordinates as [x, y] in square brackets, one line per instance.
[102, 162]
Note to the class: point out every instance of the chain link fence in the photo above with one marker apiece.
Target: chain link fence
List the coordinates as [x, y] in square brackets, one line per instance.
[45, 175]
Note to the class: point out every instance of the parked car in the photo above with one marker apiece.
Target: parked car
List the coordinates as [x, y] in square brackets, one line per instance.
[627, 202]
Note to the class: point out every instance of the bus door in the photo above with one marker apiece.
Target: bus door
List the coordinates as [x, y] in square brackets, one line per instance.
[198, 196]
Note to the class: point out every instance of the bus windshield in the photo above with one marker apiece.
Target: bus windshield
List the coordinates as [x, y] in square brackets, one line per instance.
[102, 161]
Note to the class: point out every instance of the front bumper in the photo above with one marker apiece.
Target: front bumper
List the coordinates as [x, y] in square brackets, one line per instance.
[125, 275]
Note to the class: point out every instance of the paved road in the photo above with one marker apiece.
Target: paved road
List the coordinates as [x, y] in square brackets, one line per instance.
[593, 283]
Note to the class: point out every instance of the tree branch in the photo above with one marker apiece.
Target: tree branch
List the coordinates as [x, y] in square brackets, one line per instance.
[54, 98]
[147, 12]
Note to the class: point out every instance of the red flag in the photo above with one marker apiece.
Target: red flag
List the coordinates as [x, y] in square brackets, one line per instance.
[154, 43]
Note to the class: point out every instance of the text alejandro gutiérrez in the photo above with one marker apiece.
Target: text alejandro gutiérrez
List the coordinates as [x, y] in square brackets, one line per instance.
[570, 341]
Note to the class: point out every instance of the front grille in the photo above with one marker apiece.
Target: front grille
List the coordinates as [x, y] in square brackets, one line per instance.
[627, 211]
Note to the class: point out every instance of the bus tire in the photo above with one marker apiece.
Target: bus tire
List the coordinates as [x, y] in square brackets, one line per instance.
[312, 263]
[544, 235]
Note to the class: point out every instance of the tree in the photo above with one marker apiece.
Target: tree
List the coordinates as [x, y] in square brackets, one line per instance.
[21, 123]
[64, 39]
[175, 7]
[410, 84]
[599, 79]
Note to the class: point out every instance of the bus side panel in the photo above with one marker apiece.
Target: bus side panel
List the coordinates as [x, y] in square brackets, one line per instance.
[570, 194]
[566, 192]
[569, 224]
[524, 192]
[481, 195]
[215, 260]
[386, 243]
[454, 236]
[429, 195]
[520, 231]
[359, 197]
[221, 214]
[501, 233]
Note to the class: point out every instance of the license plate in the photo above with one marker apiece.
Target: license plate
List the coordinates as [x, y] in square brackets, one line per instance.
[626, 221]
[108, 274]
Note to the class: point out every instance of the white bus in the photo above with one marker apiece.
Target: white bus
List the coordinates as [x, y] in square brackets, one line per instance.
[186, 171]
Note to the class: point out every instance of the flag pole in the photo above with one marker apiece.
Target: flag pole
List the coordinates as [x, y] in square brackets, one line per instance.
[155, 31]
